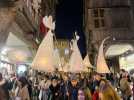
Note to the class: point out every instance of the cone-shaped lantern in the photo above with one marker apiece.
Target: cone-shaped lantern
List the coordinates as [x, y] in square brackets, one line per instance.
[43, 60]
[86, 63]
[66, 67]
[101, 62]
[76, 61]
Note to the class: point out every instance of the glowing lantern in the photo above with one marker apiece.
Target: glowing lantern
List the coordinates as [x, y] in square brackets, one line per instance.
[101, 62]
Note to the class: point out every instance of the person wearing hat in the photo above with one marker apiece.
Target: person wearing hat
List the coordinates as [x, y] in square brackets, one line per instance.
[23, 92]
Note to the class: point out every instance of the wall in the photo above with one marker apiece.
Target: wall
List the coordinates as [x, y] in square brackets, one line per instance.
[118, 19]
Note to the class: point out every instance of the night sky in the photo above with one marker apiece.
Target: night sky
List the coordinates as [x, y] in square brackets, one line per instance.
[69, 18]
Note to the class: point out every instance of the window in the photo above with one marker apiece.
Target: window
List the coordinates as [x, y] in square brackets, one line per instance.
[98, 15]
[95, 12]
[102, 23]
[96, 23]
[101, 12]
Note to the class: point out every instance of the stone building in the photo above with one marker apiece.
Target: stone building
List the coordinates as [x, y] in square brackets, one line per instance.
[104, 18]
[23, 17]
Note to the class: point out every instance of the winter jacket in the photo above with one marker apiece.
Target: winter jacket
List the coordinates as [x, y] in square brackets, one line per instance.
[24, 93]
[106, 92]
[4, 88]
[55, 95]
[125, 87]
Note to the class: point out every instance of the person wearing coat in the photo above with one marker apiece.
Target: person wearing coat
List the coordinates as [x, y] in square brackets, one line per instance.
[23, 92]
[106, 91]
[64, 89]
[46, 90]
[55, 90]
[4, 89]
[86, 90]
[125, 88]
[73, 90]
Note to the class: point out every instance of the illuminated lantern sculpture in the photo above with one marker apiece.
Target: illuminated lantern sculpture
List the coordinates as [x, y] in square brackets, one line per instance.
[43, 60]
[101, 62]
[76, 61]
[87, 64]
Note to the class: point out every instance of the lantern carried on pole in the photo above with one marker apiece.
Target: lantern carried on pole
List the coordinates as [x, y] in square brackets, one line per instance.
[43, 60]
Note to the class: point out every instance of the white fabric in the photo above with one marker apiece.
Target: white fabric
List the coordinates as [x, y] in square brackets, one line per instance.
[76, 61]
[66, 67]
[86, 63]
[48, 22]
[101, 62]
[43, 60]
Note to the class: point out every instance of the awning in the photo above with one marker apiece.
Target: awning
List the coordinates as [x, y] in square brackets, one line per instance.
[16, 50]
[118, 49]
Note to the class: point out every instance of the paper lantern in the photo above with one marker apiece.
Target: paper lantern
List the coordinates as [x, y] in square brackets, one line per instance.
[43, 60]
[101, 62]
[87, 64]
[76, 61]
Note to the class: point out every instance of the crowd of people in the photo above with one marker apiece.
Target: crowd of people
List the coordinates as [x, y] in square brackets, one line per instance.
[68, 86]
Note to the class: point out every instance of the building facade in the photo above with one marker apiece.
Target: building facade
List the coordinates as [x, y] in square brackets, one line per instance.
[35, 10]
[63, 47]
[104, 18]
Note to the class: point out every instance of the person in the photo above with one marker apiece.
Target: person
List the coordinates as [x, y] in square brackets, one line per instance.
[106, 91]
[96, 81]
[45, 90]
[55, 90]
[125, 87]
[29, 86]
[64, 88]
[95, 95]
[73, 89]
[4, 89]
[87, 91]
[23, 92]
[81, 94]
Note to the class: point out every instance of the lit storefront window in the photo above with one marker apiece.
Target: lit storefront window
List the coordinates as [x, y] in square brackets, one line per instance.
[66, 51]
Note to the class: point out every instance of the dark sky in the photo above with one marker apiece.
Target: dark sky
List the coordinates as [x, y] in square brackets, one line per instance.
[69, 18]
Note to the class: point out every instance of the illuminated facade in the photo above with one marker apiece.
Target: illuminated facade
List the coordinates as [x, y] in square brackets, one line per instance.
[63, 47]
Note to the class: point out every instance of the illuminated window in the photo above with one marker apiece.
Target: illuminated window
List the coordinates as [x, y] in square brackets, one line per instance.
[66, 51]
